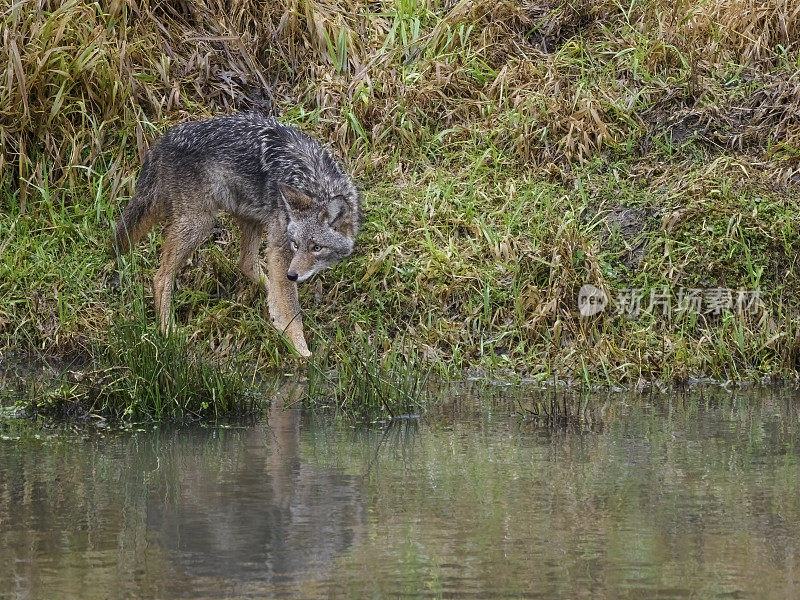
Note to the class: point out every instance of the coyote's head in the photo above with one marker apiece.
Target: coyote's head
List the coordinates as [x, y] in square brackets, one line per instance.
[321, 232]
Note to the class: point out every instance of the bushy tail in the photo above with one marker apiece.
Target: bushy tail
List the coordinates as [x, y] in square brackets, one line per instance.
[143, 212]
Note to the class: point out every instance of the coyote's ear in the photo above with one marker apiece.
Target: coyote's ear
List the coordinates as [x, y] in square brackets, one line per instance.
[295, 200]
[336, 211]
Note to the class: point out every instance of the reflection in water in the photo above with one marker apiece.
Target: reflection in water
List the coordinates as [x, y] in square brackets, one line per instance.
[201, 513]
[690, 495]
[259, 515]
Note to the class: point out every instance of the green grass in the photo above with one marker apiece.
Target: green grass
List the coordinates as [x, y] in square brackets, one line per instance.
[136, 374]
[368, 377]
[475, 268]
[508, 155]
[144, 377]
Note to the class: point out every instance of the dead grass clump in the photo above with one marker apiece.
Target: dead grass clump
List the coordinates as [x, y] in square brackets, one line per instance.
[544, 82]
[753, 30]
[553, 22]
[764, 119]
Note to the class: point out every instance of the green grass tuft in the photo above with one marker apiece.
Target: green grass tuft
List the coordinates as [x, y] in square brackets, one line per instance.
[366, 378]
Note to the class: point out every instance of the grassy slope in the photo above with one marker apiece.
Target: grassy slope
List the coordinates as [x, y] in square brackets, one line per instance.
[519, 153]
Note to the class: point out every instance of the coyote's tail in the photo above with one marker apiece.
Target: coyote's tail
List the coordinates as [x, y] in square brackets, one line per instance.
[141, 215]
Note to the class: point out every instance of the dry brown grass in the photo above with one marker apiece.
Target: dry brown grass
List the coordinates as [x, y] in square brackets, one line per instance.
[545, 81]
[753, 30]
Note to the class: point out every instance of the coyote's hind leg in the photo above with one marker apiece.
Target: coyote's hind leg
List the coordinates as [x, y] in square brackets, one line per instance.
[181, 239]
[248, 258]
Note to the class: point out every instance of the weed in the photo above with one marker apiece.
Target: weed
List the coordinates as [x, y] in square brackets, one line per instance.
[354, 376]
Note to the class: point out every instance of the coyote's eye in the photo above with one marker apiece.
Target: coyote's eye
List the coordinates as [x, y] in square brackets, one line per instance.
[316, 247]
[293, 245]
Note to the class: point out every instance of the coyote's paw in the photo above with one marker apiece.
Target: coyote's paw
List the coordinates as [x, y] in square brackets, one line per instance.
[300, 348]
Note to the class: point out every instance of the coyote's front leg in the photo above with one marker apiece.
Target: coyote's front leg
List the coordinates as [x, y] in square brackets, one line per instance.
[284, 307]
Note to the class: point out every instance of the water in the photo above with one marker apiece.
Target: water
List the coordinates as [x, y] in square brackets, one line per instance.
[676, 496]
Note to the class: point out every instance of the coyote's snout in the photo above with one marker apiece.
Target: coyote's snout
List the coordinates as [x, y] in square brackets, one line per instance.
[269, 177]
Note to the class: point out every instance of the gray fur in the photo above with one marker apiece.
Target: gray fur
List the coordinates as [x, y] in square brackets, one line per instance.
[269, 176]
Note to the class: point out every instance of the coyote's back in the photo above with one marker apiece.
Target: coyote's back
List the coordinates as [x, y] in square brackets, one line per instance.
[239, 161]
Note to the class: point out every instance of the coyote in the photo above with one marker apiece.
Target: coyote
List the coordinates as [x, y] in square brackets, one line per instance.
[268, 176]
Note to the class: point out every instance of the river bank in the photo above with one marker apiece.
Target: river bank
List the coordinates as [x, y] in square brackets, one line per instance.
[515, 156]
